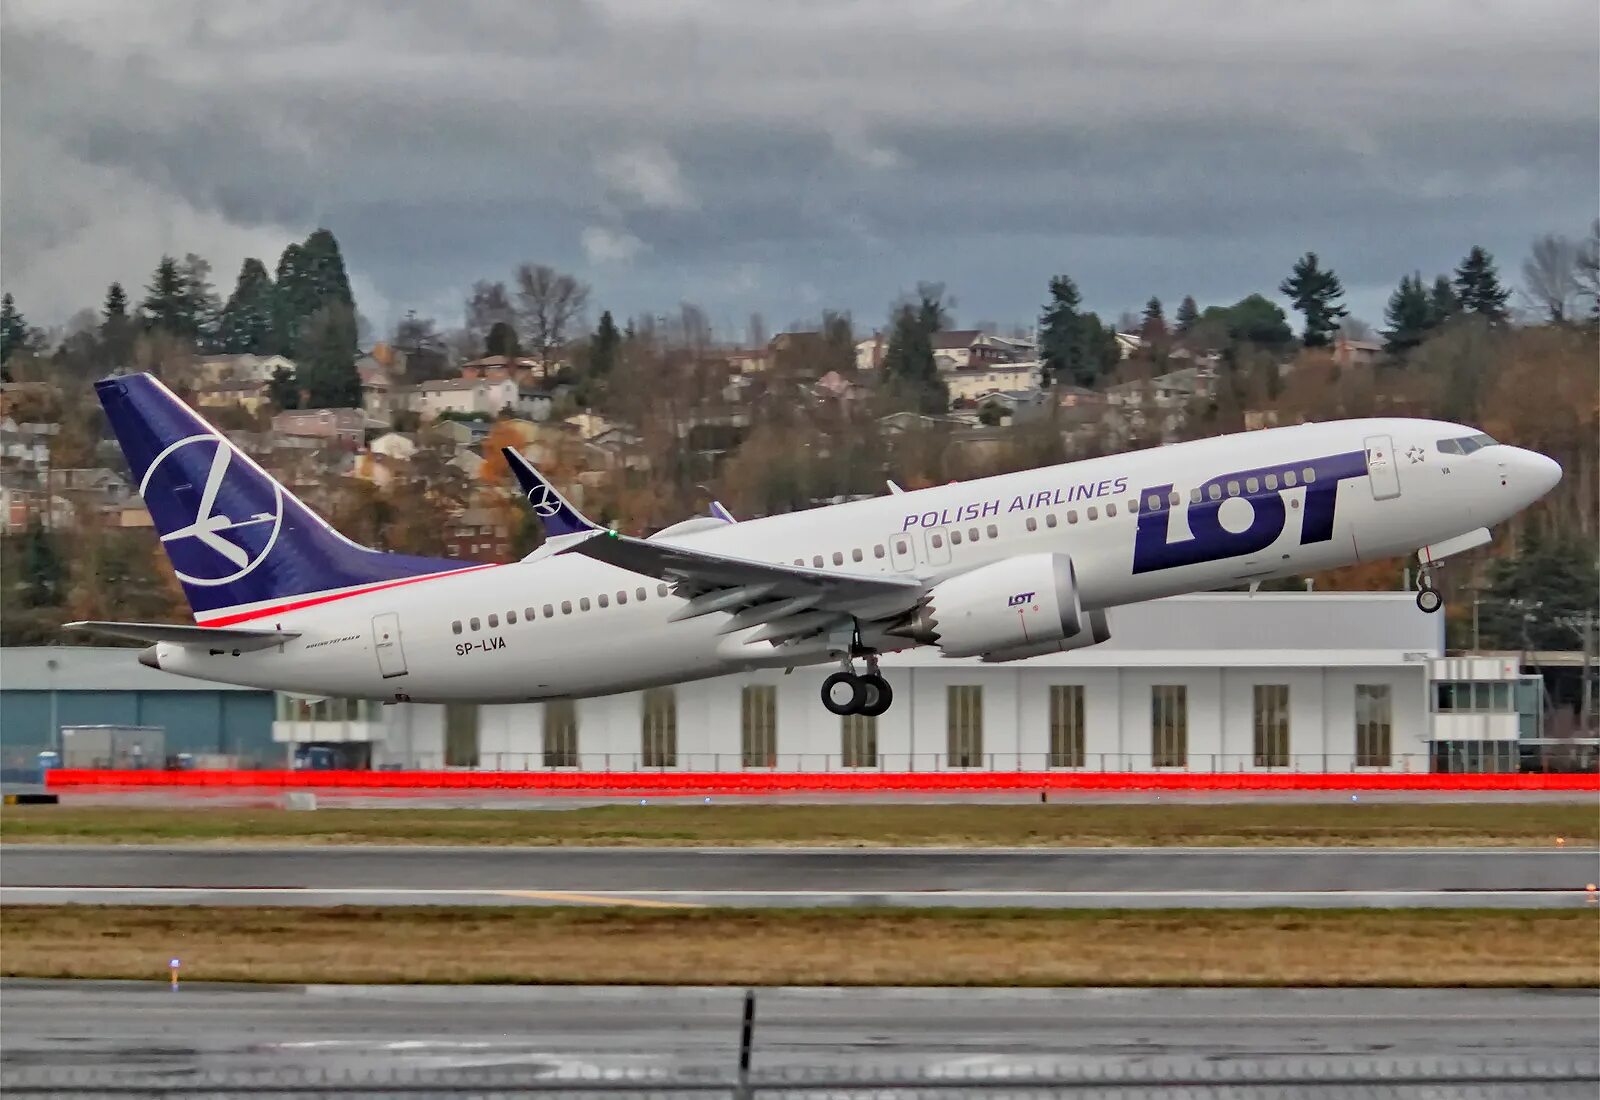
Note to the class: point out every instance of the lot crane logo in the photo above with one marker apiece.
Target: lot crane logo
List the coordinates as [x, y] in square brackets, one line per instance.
[544, 500]
[226, 530]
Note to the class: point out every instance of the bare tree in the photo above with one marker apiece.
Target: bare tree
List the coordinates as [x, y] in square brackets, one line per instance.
[1550, 276]
[1587, 270]
[487, 305]
[549, 305]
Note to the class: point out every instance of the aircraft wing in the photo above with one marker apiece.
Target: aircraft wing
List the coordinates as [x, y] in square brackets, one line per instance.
[786, 600]
[201, 637]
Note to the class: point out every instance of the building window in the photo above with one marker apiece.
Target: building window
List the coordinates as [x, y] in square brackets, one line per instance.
[1271, 742]
[1066, 725]
[1169, 726]
[1374, 724]
[659, 728]
[964, 725]
[561, 734]
[758, 717]
[461, 735]
[1482, 696]
[858, 744]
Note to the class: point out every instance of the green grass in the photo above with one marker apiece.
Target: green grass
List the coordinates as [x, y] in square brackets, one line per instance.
[1153, 824]
[808, 947]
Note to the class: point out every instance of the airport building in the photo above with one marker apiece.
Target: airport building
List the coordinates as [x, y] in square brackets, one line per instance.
[1218, 682]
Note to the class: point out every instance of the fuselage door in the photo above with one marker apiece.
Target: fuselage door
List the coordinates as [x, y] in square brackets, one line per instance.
[1381, 469]
[901, 554]
[386, 644]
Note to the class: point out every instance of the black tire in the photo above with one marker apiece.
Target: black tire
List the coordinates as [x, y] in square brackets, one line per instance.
[880, 696]
[1429, 600]
[843, 693]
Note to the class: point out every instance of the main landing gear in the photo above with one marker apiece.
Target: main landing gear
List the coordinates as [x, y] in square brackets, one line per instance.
[846, 693]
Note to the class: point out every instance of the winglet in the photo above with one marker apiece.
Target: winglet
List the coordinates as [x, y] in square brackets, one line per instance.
[894, 489]
[722, 513]
[557, 513]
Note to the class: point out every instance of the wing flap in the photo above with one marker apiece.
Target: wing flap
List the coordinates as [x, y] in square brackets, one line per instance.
[199, 637]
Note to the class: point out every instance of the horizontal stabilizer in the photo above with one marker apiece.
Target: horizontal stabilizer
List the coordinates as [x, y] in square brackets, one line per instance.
[200, 637]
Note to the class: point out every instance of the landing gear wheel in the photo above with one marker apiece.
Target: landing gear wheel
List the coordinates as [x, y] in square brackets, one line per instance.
[843, 693]
[879, 695]
[1429, 600]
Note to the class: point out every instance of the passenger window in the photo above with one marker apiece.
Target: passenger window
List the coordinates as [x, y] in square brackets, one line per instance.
[566, 607]
[877, 551]
[1272, 481]
[1288, 479]
[838, 558]
[549, 611]
[583, 603]
[474, 624]
[1311, 475]
[1152, 504]
[1214, 491]
[992, 531]
[900, 546]
[1033, 524]
[1111, 510]
[455, 627]
[1050, 519]
[799, 561]
[955, 538]
[1251, 485]
[1194, 496]
[1093, 512]
[661, 590]
[973, 534]
[937, 540]
[1072, 516]
[527, 615]
[605, 601]
[1233, 488]
[622, 598]
[639, 594]
[511, 618]
[817, 561]
[1174, 498]
[494, 621]
[855, 555]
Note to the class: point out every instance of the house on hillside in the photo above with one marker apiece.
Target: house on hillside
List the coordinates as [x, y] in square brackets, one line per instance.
[477, 534]
[972, 382]
[465, 395]
[1357, 353]
[241, 368]
[343, 427]
[248, 393]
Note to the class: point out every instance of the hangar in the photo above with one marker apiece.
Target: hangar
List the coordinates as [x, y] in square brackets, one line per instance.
[1307, 681]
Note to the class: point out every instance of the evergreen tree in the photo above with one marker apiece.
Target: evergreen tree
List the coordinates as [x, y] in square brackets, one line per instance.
[325, 359]
[908, 360]
[1534, 596]
[1057, 328]
[502, 340]
[167, 304]
[43, 570]
[1252, 320]
[1153, 328]
[1188, 314]
[311, 275]
[325, 269]
[1408, 315]
[1478, 287]
[1442, 302]
[116, 328]
[283, 389]
[200, 300]
[1315, 293]
[248, 323]
[1153, 315]
[13, 327]
[605, 346]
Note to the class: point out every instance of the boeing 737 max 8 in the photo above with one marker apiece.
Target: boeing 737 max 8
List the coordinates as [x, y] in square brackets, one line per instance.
[1004, 568]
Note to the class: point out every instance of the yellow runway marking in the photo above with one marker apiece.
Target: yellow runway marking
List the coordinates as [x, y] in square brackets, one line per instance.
[597, 899]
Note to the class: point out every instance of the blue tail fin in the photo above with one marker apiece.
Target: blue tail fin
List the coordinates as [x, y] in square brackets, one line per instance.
[559, 516]
[242, 545]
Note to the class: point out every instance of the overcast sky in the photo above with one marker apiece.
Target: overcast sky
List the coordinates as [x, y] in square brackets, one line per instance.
[791, 157]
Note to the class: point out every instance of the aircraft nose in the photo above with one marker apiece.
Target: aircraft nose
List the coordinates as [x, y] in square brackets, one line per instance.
[1538, 472]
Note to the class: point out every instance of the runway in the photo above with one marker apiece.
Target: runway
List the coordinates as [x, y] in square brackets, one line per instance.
[1067, 877]
[551, 1035]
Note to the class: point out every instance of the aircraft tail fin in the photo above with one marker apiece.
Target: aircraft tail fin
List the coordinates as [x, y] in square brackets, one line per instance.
[243, 546]
[554, 510]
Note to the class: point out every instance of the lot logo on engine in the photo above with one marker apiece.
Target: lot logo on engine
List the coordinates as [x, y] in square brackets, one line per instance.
[1020, 598]
[1262, 489]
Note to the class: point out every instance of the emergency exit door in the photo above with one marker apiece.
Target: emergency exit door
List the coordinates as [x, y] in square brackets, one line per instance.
[386, 644]
[1381, 469]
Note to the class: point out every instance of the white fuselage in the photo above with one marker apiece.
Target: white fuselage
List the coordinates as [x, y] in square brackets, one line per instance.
[441, 645]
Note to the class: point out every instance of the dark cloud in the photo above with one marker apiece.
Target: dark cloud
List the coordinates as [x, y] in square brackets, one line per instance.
[795, 156]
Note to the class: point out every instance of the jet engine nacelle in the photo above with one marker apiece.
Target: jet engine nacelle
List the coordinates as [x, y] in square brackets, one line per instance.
[1020, 603]
[1093, 631]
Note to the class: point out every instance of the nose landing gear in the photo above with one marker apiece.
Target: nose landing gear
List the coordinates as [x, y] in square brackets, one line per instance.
[846, 693]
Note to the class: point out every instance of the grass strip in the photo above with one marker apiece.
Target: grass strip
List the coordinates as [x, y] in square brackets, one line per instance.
[948, 947]
[1167, 824]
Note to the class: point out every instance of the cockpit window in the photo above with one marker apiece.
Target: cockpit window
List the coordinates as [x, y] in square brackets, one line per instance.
[1466, 444]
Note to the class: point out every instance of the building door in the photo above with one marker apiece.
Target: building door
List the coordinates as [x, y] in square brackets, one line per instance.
[900, 553]
[1381, 468]
[937, 546]
[386, 643]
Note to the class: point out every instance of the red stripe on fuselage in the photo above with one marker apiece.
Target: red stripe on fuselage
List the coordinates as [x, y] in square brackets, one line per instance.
[313, 601]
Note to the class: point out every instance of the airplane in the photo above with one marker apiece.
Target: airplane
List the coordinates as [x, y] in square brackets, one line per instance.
[1003, 568]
